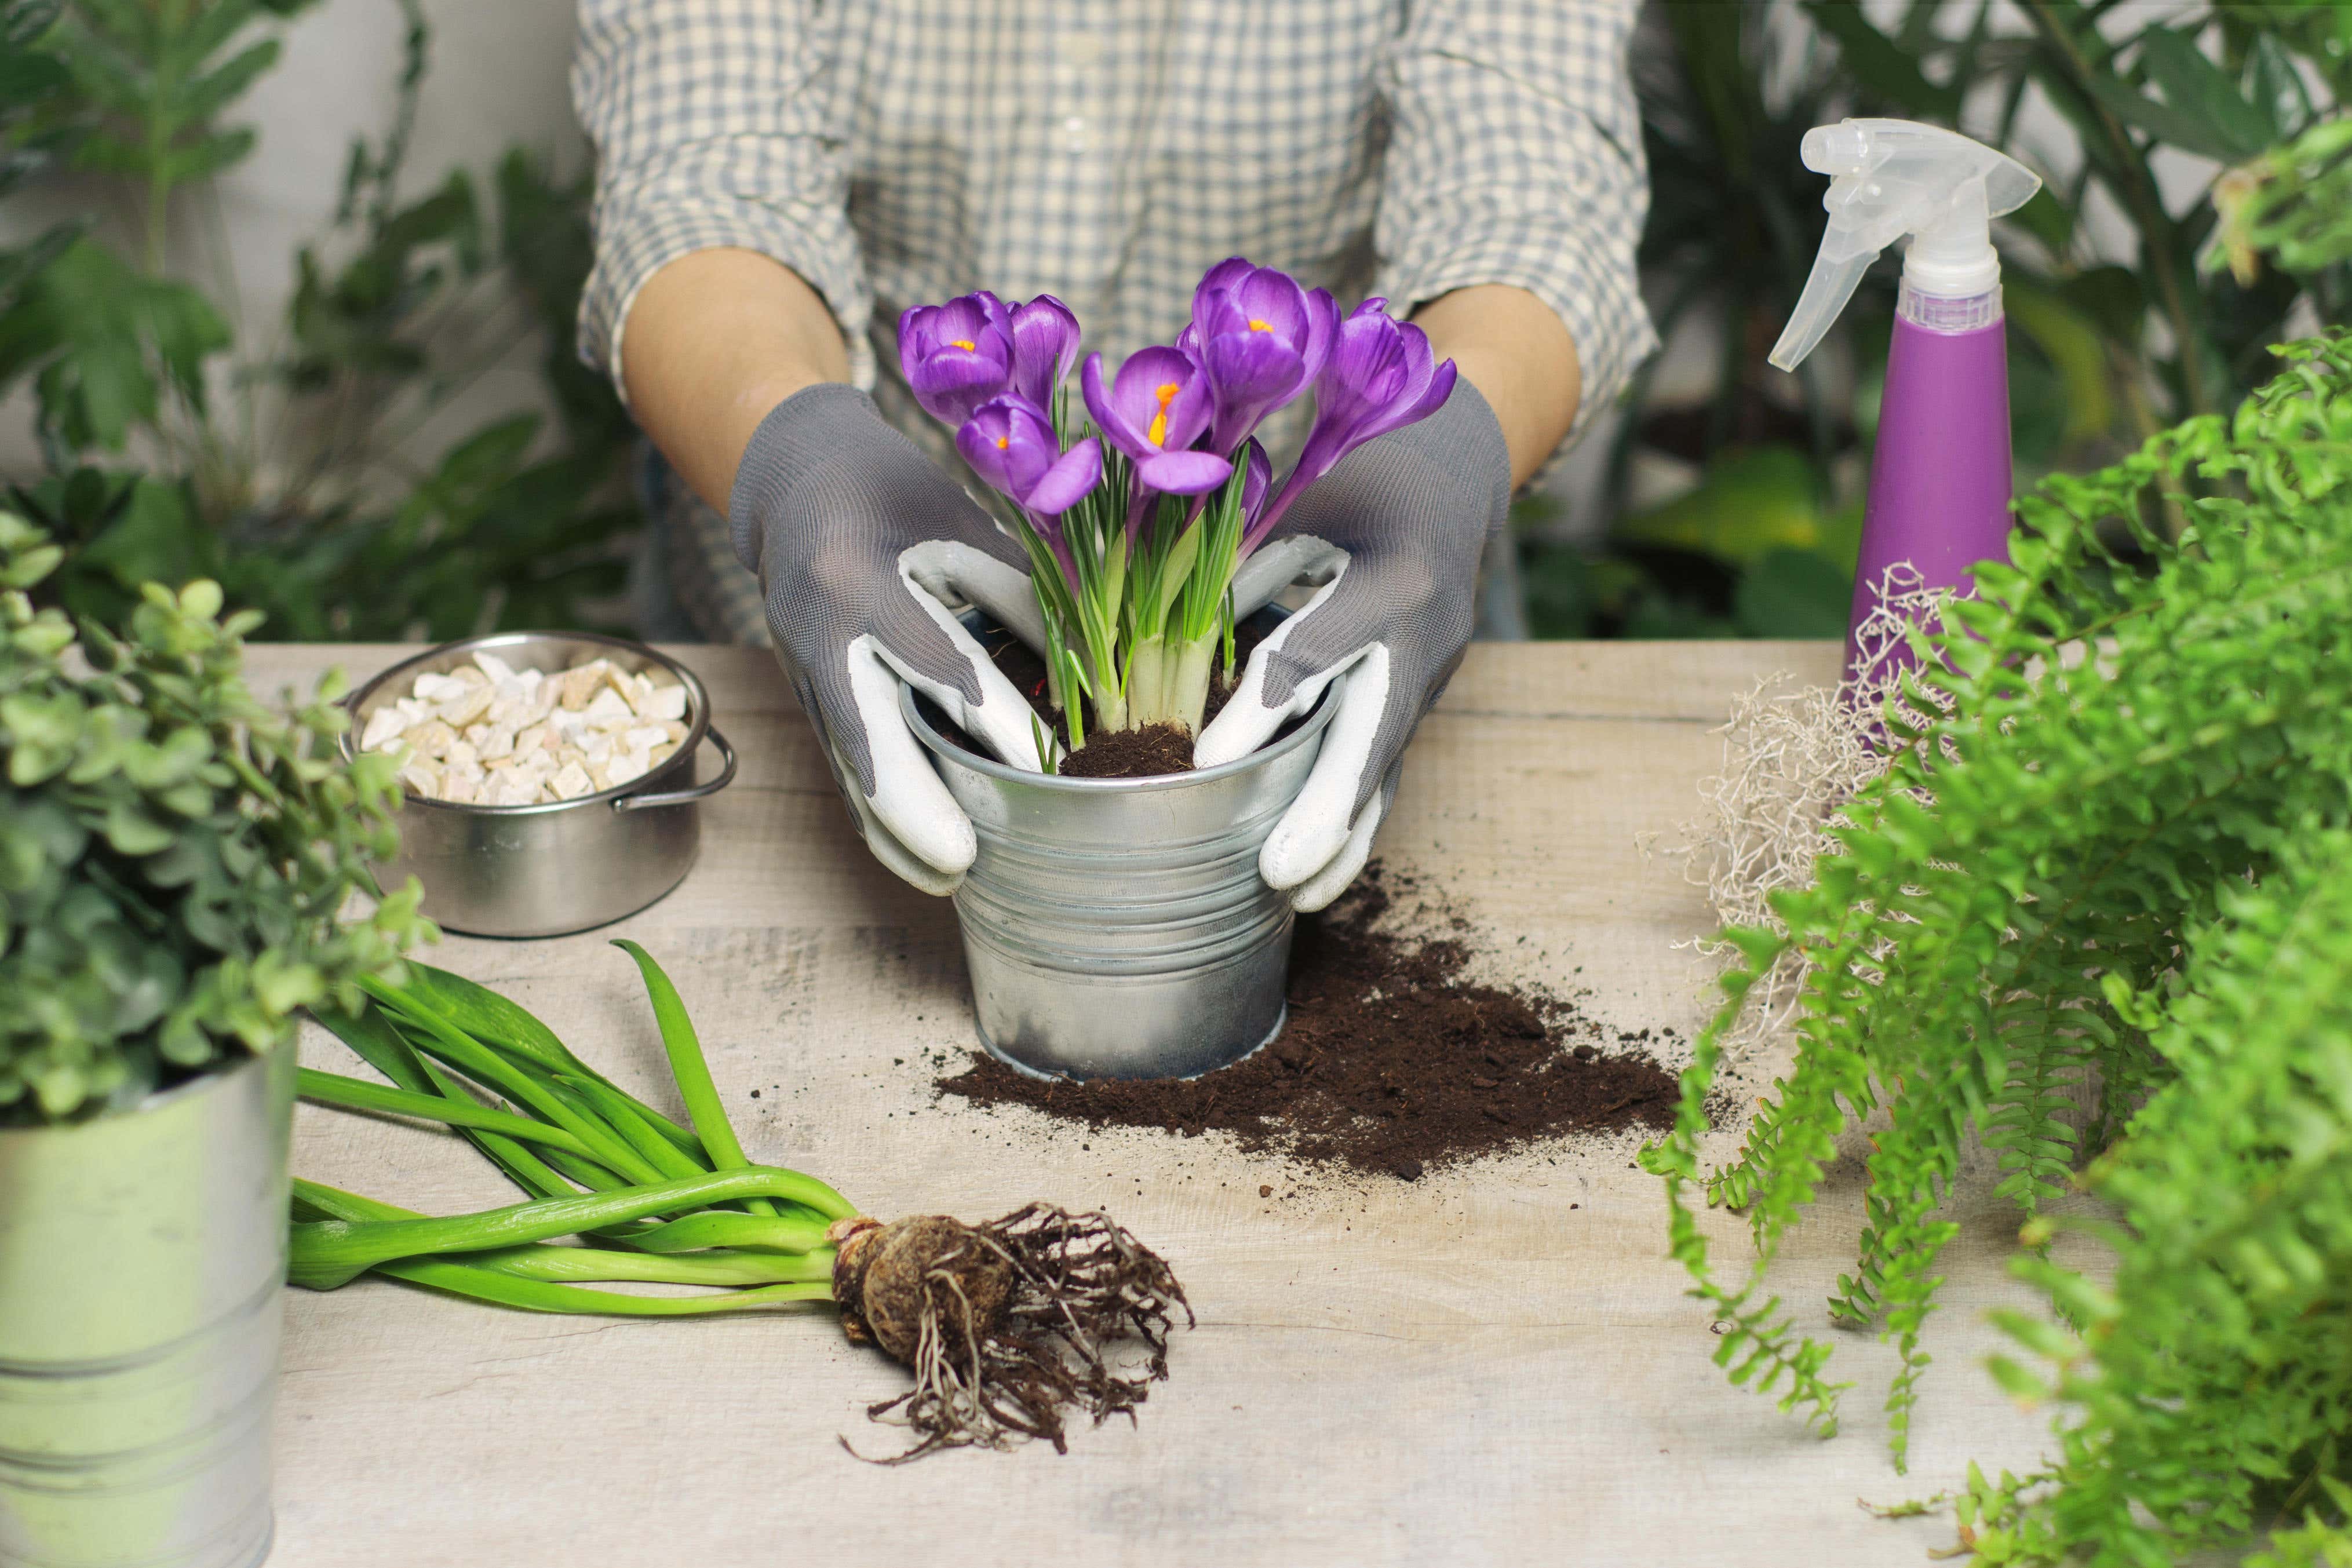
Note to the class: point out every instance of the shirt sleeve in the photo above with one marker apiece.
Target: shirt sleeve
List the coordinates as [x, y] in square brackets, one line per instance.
[1515, 156]
[710, 121]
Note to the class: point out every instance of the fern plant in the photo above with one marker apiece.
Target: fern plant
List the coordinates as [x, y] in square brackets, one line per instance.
[2116, 853]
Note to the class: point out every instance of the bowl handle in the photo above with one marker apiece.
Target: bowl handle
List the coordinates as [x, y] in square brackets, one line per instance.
[680, 796]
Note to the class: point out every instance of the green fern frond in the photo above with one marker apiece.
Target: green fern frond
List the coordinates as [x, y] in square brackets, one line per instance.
[2112, 861]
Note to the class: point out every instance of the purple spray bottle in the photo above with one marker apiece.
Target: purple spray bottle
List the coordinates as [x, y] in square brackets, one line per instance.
[1941, 478]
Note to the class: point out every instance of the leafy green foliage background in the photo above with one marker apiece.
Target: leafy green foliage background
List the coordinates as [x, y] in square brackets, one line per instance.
[2129, 870]
[279, 466]
[173, 853]
[2102, 355]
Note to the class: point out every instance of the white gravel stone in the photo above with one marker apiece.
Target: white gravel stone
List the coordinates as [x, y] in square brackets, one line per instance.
[663, 702]
[570, 782]
[385, 724]
[488, 733]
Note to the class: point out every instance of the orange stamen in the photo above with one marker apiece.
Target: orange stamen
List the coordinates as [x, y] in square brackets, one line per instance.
[1166, 392]
[964, 343]
[1256, 326]
[1002, 442]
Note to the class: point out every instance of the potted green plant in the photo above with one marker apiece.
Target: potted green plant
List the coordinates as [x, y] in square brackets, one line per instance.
[173, 858]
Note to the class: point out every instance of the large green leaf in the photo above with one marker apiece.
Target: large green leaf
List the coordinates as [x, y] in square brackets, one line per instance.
[105, 341]
[1883, 65]
[2195, 85]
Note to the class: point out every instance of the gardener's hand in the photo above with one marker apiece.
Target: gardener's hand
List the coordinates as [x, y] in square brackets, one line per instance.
[1393, 534]
[856, 538]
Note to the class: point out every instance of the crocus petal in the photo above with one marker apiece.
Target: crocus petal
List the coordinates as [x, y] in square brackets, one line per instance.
[1185, 473]
[1066, 483]
[1415, 390]
[1219, 280]
[1274, 299]
[1252, 375]
[954, 358]
[1322, 330]
[1044, 347]
[952, 384]
[977, 442]
[1379, 378]
[1256, 477]
[1417, 406]
[1029, 449]
[1160, 393]
[1241, 315]
[1108, 416]
[967, 315]
[998, 316]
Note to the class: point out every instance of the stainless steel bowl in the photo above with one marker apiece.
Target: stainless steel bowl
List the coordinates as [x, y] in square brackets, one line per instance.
[565, 866]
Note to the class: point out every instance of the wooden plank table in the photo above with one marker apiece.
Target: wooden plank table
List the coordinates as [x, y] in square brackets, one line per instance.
[1461, 1370]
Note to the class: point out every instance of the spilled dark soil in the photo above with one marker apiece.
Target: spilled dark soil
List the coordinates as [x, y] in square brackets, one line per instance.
[1395, 1060]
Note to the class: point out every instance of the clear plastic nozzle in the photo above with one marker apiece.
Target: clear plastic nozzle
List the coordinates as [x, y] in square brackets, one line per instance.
[1889, 178]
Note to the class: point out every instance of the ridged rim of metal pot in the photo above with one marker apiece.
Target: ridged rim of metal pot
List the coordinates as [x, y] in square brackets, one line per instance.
[698, 711]
[928, 734]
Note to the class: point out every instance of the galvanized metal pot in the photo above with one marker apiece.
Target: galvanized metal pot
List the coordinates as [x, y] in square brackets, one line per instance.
[1118, 928]
[142, 1259]
[562, 867]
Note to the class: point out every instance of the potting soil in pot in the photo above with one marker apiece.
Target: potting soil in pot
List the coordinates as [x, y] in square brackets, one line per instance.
[1155, 750]
[1393, 1059]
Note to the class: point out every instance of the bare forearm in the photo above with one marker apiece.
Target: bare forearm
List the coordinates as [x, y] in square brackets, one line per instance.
[715, 340]
[1521, 357]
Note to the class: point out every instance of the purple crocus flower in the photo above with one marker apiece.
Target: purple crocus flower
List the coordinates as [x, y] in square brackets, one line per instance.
[1044, 347]
[1154, 410]
[1382, 376]
[958, 355]
[1260, 338]
[1009, 441]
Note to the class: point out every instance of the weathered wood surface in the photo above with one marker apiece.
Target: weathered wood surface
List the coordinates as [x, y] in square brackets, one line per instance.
[1462, 1370]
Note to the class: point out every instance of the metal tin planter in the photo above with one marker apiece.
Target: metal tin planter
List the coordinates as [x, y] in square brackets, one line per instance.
[565, 866]
[141, 1260]
[1118, 928]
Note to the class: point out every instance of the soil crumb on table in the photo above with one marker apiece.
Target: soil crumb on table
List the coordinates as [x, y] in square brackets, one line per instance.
[1393, 1060]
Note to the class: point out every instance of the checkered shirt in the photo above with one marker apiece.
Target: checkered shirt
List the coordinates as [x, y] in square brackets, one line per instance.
[896, 152]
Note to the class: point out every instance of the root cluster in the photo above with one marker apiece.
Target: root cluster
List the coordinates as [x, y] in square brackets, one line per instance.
[1007, 1326]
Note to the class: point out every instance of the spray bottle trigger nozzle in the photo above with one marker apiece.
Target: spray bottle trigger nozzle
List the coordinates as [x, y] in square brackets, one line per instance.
[1891, 178]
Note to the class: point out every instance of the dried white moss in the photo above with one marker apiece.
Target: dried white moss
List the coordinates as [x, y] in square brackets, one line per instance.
[1792, 755]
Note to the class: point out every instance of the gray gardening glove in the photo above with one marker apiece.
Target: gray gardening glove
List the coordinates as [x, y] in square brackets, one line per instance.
[860, 542]
[1393, 535]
